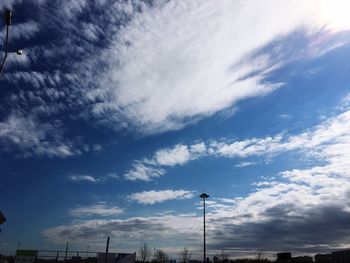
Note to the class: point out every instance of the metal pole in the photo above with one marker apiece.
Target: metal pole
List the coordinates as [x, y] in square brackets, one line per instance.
[204, 196]
[8, 16]
[204, 255]
[107, 246]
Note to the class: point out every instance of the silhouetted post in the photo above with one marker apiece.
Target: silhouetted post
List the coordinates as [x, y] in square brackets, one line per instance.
[87, 251]
[8, 16]
[57, 256]
[65, 256]
[204, 196]
[107, 246]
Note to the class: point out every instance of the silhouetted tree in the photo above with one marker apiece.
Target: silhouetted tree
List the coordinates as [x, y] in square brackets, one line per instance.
[160, 256]
[259, 256]
[185, 255]
[144, 253]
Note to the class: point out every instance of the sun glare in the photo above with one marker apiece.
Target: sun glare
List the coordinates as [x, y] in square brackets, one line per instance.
[335, 14]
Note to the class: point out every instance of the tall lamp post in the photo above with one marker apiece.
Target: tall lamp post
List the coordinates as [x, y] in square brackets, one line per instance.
[8, 17]
[204, 196]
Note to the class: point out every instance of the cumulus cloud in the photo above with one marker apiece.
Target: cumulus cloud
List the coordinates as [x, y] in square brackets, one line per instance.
[152, 167]
[152, 197]
[169, 157]
[100, 209]
[299, 204]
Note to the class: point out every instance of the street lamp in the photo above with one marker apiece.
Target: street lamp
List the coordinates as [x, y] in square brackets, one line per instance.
[204, 196]
[8, 17]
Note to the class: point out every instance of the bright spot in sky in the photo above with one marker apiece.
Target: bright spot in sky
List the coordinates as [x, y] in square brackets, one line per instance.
[335, 14]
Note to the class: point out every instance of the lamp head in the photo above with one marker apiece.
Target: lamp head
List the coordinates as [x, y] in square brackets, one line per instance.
[8, 16]
[204, 195]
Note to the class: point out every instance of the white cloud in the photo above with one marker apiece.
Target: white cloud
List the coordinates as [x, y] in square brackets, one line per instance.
[198, 149]
[100, 209]
[244, 164]
[83, 178]
[23, 30]
[32, 137]
[152, 197]
[180, 154]
[176, 62]
[168, 64]
[93, 179]
[245, 148]
[143, 172]
[72, 8]
[331, 133]
[297, 202]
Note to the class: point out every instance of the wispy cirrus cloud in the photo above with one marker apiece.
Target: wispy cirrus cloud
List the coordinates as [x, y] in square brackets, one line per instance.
[82, 178]
[136, 52]
[200, 74]
[93, 179]
[160, 196]
[244, 164]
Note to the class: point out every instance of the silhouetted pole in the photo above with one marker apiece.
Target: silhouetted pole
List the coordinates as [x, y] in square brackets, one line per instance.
[65, 256]
[87, 251]
[204, 196]
[8, 16]
[107, 246]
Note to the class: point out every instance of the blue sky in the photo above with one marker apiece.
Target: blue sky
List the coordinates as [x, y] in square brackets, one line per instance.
[120, 113]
